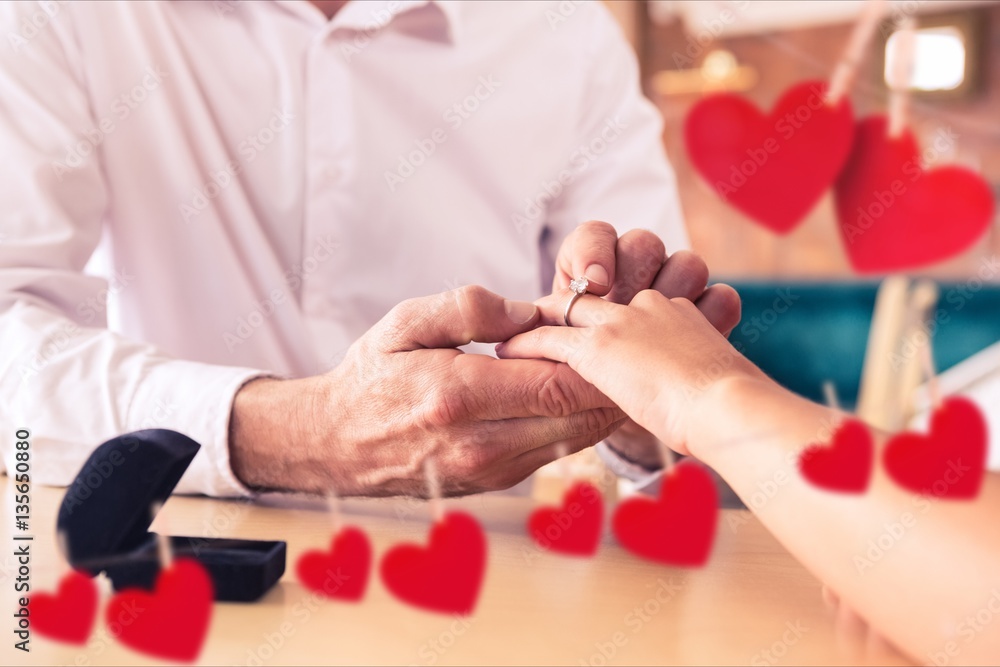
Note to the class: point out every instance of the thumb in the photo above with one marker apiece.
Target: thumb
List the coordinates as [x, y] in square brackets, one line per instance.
[458, 317]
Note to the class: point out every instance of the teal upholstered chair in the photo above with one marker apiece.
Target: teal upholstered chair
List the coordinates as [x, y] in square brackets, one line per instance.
[804, 334]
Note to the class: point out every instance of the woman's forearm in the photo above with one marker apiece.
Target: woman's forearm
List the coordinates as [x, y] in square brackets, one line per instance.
[920, 569]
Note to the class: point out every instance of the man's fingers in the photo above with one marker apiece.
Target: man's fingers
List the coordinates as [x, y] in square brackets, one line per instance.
[495, 389]
[454, 318]
[639, 257]
[534, 459]
[684, 275]
[588, 251]
[518, 436]
[720, 304]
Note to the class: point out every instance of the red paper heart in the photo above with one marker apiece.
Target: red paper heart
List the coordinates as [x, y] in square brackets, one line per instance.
[678, 528]
[170, 623]
[950, 460]
[844, 465]
[773, 168]
[894, 216]
[68, 615]
[341, 572]
[573, 528]
[446, 575]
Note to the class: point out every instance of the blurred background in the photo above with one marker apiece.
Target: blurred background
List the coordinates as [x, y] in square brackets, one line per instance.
[808, 320]
[761, 47]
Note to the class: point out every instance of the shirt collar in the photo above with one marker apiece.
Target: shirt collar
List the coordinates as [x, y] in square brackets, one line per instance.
[371, 16]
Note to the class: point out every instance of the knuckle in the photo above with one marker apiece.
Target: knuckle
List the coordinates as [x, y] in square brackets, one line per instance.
[472, 460]
[599, 227]
[685, 305]
[601, 337]
[690, 270]
[554, 397]
[648, 298]
[401, 316]
[442, 407]
[472, 294]
[597, 420]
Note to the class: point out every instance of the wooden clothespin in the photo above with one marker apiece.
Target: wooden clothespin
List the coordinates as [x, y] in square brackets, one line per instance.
[846, 70]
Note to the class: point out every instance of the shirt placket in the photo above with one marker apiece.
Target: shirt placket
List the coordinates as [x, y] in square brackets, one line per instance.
[328, 155]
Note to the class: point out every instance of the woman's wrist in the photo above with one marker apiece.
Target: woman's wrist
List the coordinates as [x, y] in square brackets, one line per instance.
[724, 411]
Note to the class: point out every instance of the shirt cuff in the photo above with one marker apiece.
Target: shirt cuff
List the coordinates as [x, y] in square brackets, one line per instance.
[195, 399]
[643, 480]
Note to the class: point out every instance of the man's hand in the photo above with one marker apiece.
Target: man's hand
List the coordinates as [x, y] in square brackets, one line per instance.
[404, 393]
[620, 268]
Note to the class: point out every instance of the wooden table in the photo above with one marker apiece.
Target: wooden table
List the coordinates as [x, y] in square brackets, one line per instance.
[753, 603]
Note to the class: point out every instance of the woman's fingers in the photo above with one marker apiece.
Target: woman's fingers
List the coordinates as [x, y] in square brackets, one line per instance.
[554, 343]
[720, 304]
[587, 311]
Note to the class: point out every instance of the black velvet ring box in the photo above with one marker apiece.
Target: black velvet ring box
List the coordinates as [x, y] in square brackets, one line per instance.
[106, 513]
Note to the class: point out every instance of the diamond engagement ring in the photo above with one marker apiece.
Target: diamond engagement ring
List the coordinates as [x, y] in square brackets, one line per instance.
[578, 287]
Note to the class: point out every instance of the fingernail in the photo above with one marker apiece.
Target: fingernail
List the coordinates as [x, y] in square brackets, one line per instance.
[597, 274]
[519, 312]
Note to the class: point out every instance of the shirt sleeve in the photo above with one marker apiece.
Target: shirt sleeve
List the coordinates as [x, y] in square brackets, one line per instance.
[64, 376]
[619, 173]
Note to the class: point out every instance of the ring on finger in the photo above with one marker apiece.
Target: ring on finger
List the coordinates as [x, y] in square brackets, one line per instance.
[578, 287]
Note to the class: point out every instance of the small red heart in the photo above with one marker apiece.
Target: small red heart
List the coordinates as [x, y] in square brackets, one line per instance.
[773, 168]
[844, 465]
[446, 575]
[341, 572]
[68, 615]
[948, 462]
[573, 528]
[678, 528]
[894, 216]
[169, 623]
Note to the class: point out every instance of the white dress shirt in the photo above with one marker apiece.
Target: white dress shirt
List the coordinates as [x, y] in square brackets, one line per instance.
[261, 185]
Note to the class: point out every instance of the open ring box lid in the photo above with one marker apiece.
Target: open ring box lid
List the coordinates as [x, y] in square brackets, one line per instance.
[106, 513]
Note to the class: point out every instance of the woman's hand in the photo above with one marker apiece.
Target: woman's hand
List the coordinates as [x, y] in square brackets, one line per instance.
[620, 268]
[658, 358]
